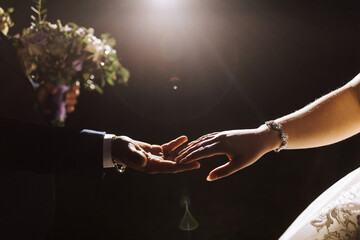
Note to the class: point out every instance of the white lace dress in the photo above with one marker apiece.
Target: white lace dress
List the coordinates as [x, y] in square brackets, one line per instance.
[334, 215]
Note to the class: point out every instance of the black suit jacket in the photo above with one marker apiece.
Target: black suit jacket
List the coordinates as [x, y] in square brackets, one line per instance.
[30, 153]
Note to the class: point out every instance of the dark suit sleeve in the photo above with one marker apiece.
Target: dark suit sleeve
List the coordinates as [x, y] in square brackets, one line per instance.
[27, 146]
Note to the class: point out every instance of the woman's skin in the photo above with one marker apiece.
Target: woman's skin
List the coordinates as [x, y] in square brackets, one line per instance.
[330, 119]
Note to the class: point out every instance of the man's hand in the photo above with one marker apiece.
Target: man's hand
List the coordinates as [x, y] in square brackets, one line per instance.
[242, 147]
[149, 158]
[47, 90]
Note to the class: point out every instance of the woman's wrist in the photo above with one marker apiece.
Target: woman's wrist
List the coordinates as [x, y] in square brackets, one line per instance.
[270, 139]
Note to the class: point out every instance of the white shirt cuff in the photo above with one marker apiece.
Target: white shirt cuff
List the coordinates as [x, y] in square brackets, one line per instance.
[107, 158]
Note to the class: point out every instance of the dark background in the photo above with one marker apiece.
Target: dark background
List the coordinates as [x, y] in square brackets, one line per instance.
[242, 62]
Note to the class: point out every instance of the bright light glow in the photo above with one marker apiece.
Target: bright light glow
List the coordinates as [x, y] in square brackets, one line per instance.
[165, 3]
[171, 47]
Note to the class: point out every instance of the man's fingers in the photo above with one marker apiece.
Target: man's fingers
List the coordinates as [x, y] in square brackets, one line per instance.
[165, 166]
[76, 87]
[172, 145]
[70, 108]
[70, 101]
[71, 94]
[156, 150]
[153, 149]
[71, 97]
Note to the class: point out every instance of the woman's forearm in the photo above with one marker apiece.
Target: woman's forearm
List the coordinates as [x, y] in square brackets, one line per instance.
[329, 119]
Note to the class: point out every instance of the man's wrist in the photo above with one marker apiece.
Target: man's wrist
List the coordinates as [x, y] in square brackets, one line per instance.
[107, 155]
[120, 167]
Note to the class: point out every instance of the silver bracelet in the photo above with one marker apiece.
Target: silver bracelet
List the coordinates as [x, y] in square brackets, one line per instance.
[272, 125]
[120, 168]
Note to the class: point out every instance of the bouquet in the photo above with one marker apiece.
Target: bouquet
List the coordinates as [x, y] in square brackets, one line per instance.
[67, 54]
[5, 21]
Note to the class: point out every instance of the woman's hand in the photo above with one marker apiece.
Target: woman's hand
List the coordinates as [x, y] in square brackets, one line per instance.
[242, 147]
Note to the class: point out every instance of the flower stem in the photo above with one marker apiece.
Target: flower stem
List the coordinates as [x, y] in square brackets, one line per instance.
[39, 11]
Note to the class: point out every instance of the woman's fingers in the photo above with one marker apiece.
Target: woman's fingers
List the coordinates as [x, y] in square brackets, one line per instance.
[201, 152]
[208, 145]
[193, 144]
[189, 145]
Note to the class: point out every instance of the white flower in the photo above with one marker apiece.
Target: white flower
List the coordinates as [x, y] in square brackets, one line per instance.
[53, 26]
[91, 31]
[95, 46]
[67, 28]
[81, 32]
[107, 49]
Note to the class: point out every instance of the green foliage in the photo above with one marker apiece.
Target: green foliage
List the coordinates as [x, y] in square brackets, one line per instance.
[39, 11]
[5, 20]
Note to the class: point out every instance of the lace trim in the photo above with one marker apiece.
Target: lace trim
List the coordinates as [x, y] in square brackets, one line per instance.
[340, 220]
